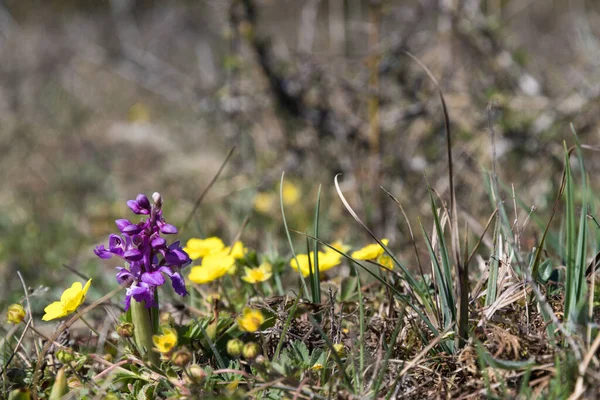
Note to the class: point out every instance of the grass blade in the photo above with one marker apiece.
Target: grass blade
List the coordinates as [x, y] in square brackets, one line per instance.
[315, 278]
[289, 237]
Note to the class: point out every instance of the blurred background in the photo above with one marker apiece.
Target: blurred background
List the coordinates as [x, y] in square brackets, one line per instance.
[102, 100]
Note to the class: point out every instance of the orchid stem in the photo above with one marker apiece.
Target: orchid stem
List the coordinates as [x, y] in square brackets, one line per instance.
[143, 331]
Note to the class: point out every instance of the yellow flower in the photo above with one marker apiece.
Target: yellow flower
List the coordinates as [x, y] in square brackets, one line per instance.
[327, 260]
[264, 202]
[197, 248]
[233, 385]
[260, 274]
[339, 245]
[371, 251]
[214, 266]
[291, 194]
[237, 251]
[164, 343]
[317, 367]
[69, 301]
[386, 261]
[15, 314]
[339, 348]
[250, 320]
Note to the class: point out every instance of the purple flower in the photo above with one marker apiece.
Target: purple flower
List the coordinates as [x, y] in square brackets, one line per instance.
[147, 255]
[140, 292]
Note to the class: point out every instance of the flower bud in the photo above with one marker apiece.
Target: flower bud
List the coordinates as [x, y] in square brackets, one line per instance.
[235, 347]
[142, 201]
[125, 330]
[195, 374]
[166, 318]
[15, 314]
[251, 351]
[211, 330]
[181, 357]
[260, 360]
[65, 355]
[157, 199]
[73, 382]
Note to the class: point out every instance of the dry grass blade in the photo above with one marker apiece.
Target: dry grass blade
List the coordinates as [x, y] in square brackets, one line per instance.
[351, 211]
[487, 225]
[5, 366]
[205, 191]
[424, 352]
[579, 386]
[410, 231]
[462, 273]
[37, 349]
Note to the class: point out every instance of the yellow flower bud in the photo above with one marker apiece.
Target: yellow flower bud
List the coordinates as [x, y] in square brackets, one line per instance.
[251, 350]
[15, 314]
[235, 347]
[125, 330]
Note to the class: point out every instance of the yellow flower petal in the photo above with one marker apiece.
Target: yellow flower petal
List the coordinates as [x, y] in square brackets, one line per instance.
[317, 367]
[290, 194]
[251, 320]
[259, 274]
[264, 202]
[339, 245]
[371, 251]
[237, 251]
[197, 248]
[53, 311]
[327, 260]
[301, 264]
[164, 343]
[213, 267]
[70, 300]
[386, 261]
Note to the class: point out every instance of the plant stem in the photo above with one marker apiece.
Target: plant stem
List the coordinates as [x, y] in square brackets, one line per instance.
[144, 329]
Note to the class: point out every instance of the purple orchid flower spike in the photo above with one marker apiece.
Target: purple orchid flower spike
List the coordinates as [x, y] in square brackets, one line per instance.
[148, 257]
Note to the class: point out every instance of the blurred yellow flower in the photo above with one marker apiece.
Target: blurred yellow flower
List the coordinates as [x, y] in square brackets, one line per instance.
[386, 261]
[15, 314]
[237, 251]
[164, 343]
[371, 251]
[317, 367]
[213, 266]
[197, 248]
[264, 202]
[71, 298]
[233, 385]
[139, 113]
[327, 260]
[339, 245]
[291, 194]
[250, 320]
[340, 350]
[260, 274]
